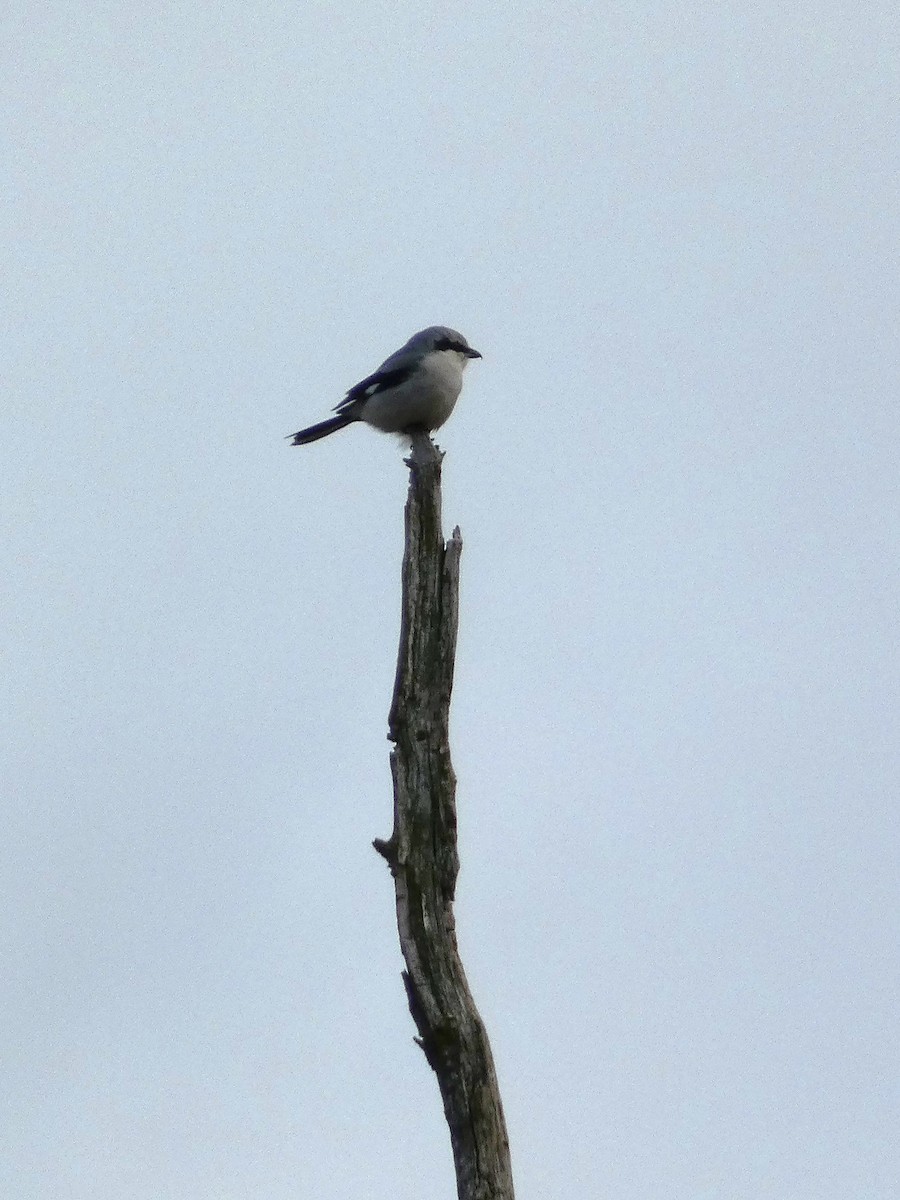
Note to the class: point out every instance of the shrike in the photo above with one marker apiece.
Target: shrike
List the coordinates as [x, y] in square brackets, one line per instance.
[416, 388]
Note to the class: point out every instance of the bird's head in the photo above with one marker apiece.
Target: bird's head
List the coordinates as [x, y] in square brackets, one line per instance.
[440, 337]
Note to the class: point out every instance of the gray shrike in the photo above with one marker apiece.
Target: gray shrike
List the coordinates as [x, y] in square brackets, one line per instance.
[416, 388]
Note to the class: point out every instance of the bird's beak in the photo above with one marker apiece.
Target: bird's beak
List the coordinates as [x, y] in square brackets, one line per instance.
[470, 353]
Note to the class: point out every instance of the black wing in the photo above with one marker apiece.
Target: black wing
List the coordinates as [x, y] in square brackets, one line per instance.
[373, 384]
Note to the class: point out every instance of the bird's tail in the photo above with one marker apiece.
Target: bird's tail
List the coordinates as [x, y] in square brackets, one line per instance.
[322, 429]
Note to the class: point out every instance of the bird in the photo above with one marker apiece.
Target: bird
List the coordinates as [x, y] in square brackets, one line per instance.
[415, 388]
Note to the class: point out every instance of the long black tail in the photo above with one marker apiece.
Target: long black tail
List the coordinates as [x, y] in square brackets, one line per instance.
[322, 429]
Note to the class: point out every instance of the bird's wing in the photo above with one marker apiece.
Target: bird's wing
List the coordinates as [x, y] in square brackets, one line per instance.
[387, 376]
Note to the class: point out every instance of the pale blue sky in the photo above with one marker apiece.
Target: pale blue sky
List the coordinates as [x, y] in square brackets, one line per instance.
[671, 229]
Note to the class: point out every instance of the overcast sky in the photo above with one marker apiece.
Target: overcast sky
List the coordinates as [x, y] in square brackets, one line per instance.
[671, 230]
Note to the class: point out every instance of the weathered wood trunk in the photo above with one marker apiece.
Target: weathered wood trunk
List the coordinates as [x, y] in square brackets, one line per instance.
[422, 851]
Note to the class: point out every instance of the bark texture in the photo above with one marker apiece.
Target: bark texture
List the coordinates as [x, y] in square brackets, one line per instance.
[422, 851]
